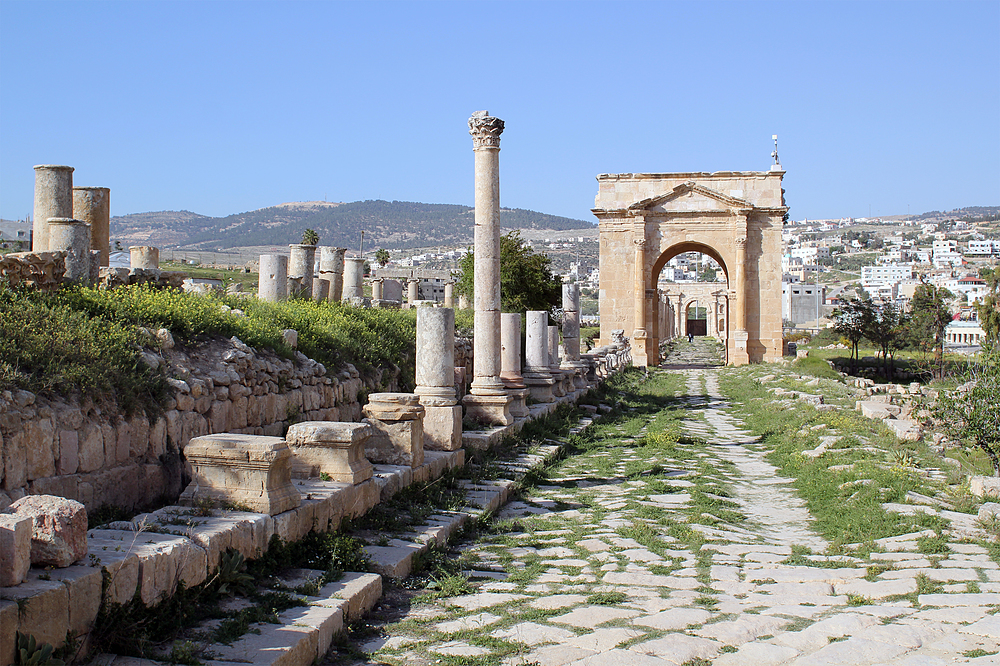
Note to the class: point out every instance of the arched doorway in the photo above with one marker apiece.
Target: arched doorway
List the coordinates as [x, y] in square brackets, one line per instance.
[734, 217]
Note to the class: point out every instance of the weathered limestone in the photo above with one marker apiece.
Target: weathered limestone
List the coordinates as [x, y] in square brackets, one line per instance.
[144, 257]
[488, 401]
[93, 206]
[398, 423]
[559, 388]
[321, 289]
[449, 294]
[53, 198]
[72, 237]
[332, 448]
[301, 267]
[272, 282]
[250, 470]
[510, 363]
[392, 290]
[58, 530]
[15, 548]
[412, 291]
[463, 302]
[43, 271]
[536, 362]
[331, 269]
[354, 278]
[571, 362]
[435, 379]
[377, 289]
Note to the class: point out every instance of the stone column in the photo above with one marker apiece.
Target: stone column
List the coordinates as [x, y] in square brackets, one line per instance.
[740, 354]
[559, 388]
[93, 206]
[412, 286]
[536, 366]
[640, 335]
[272, 281]
[435, 379]
[354, 277]
[301, 267]
[321, 289]
[377, 289]
[53, 198]
[510, 363]
[144, 257]
[488, 402]
[72, 237]
[331, 269]
[449, 294]
[680, 316]
[571, 335]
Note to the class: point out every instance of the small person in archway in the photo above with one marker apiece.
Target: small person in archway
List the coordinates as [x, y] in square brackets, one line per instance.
[690, 337]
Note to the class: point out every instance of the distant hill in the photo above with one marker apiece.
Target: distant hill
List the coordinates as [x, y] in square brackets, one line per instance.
[396, 224]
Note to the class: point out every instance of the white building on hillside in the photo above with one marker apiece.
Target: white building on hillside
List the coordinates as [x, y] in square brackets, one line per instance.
[877, 276]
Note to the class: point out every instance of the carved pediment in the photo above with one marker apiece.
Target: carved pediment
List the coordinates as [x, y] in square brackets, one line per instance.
[691, 198]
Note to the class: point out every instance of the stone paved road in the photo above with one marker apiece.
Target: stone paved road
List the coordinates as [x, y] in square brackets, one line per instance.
[646, 552]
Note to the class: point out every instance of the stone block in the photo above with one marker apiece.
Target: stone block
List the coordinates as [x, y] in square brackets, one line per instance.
[44, 609]
[360, 590]
[15, 548]
[442, 428]
[14, 462]
[38, 440]
[83, 589]
[59, 528]
[69, 452]
[333, 448]
[9, 625]
[246, 470]
[984, 486]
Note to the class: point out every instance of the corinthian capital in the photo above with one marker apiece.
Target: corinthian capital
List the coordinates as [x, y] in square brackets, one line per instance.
[741, 242]
[485, 130]
[639, 242]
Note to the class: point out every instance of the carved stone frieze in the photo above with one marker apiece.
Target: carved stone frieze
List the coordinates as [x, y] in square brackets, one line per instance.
[38, 270]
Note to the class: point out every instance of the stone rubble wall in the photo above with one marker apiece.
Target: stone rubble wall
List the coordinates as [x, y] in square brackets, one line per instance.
[75, 449]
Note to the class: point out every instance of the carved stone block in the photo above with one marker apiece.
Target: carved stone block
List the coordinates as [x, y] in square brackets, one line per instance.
[330, 447]
[250, 470]
[398, 423]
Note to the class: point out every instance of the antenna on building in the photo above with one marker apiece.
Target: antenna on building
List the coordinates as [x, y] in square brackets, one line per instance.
[777, 165]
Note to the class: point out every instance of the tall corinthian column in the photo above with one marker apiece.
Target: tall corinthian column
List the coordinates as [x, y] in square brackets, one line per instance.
[488, 401]
[740, 354]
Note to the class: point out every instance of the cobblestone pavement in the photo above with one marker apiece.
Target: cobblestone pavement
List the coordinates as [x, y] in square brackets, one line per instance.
[648, 550]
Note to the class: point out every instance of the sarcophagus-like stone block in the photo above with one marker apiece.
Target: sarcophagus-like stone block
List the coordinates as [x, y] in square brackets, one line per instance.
[398, 421]
[330, 447]
[250, 470]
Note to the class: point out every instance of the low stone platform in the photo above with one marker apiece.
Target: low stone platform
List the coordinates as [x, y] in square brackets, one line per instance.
[150, 554]
[485, 439]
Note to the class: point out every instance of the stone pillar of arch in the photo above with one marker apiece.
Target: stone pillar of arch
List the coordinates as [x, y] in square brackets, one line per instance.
[640, 336]
[738, 340]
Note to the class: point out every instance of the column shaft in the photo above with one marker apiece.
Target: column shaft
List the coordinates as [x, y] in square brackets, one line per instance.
[53, 198]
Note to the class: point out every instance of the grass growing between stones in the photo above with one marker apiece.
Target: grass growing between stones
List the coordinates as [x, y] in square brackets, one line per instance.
[845, 502]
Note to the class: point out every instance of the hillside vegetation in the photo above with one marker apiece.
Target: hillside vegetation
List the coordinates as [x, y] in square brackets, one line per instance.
[395, 224]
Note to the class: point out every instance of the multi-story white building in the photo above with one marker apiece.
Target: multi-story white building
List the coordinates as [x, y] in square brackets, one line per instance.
[877, 276]
[974, 288]
[946, 254]
[810, 255]
[984, 247]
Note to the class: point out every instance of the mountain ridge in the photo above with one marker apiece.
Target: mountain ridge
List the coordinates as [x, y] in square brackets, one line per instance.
[396, 224]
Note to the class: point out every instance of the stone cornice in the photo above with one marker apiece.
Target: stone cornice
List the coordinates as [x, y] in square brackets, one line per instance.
[689, 175]
[735, 205]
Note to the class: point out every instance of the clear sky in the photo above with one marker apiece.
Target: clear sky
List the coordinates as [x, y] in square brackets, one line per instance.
[223, 107]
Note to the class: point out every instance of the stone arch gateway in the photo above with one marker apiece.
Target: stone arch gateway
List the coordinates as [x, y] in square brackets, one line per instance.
[735, 217]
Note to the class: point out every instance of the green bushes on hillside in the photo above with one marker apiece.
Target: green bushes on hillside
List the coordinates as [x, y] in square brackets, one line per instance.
[89, 339]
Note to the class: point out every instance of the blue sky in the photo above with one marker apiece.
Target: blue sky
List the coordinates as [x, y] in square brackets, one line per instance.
[222, 107]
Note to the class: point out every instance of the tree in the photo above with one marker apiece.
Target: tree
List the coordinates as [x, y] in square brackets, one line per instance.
[526, 282]
[310, 237]
[887, 330]
[929, 319]
[381, 257]
[852, 320]
[972, 412]
[989, 308]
